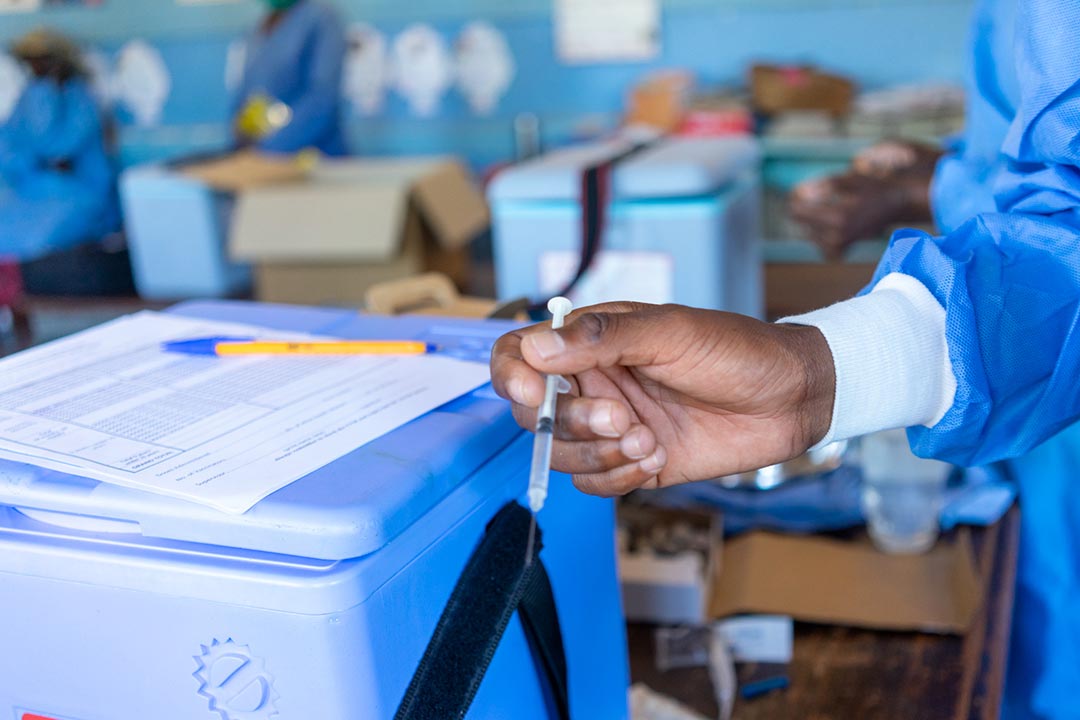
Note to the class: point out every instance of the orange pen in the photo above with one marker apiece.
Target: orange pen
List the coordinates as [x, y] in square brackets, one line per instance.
[250, 346]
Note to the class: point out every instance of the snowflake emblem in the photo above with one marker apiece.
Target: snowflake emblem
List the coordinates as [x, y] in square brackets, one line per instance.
[235, 682]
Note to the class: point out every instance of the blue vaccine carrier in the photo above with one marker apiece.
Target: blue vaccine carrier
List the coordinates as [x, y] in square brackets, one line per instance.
[316, 604]
[683, 225]
[177, 228]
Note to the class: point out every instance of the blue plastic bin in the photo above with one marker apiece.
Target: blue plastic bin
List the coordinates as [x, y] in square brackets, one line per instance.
[683, 225]
[315, 605]
[177, 232]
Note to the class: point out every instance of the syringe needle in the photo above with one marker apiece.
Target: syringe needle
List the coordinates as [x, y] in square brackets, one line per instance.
[532, 540]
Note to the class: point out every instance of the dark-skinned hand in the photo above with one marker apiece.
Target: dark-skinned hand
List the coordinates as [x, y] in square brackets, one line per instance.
[665, 394]
[889, 183]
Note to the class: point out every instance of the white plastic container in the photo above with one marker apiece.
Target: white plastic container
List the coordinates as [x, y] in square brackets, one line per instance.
[683, 225]
[177, 231]
[902, 494]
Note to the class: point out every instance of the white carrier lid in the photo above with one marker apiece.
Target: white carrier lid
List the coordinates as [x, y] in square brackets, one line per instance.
[671, 167]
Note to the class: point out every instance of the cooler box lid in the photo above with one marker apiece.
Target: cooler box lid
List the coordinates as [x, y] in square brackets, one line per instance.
[349, 508]
[673, 167]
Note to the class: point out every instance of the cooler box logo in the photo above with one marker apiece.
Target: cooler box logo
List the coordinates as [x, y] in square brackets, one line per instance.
[235, 682]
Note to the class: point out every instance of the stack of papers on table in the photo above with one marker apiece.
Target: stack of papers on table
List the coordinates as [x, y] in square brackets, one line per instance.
[111, 405]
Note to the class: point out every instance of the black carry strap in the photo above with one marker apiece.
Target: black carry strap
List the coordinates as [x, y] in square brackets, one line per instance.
[595, 194]
[495, 582]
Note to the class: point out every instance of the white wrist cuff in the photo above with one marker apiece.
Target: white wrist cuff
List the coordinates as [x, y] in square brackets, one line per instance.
[891, 358]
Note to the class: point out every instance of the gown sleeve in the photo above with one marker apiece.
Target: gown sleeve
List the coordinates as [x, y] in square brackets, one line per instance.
[964, 183]
[1010, 280]
[317, 108]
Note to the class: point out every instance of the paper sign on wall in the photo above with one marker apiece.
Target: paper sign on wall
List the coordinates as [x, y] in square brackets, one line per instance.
[14, 6]
[615, 275]
[607, 30]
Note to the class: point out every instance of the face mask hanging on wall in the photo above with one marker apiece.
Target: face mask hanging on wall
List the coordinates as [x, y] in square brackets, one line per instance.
[423, 68]
[99, 71]
[367, 69]
[12, 82]
[142, 82]
[485, 66]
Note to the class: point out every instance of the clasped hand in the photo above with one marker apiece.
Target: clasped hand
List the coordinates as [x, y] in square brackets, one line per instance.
[666, 394]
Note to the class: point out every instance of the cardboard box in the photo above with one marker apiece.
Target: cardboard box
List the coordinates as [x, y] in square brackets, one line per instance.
[434, 294]
[248, 169]
[659, 100]
[780, 88]
[667, 587]
[794, 288]
[846, 582]
[354, 223]
[849, 582]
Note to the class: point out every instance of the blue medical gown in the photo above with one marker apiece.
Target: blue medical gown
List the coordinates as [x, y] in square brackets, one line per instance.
[964, 184]
[1007, 271]
[299, 62]
[43, 208]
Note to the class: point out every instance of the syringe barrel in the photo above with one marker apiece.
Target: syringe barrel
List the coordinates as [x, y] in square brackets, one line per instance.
[540, 469]
[551, 395]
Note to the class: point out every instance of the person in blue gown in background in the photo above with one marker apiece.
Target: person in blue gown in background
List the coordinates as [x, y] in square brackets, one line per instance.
[294, 60]
[56, 179]
[1036, 177]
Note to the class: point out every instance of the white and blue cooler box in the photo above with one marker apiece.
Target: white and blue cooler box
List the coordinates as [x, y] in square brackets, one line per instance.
[683, 225]
[177, 230]
[316, 604]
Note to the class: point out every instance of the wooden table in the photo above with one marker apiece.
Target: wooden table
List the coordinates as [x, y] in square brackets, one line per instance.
[844, 673]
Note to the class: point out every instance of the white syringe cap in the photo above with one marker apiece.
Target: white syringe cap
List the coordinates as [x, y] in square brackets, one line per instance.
[559, 307]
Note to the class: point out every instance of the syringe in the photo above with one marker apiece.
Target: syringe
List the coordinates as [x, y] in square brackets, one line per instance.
[559, 307]
[540, 469]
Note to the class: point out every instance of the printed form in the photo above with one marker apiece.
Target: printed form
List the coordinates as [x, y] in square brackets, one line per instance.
[111, 405]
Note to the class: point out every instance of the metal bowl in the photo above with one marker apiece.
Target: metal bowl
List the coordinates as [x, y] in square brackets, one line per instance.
[814, 462]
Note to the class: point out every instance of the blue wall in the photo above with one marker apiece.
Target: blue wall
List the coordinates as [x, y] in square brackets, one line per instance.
[877, 42]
